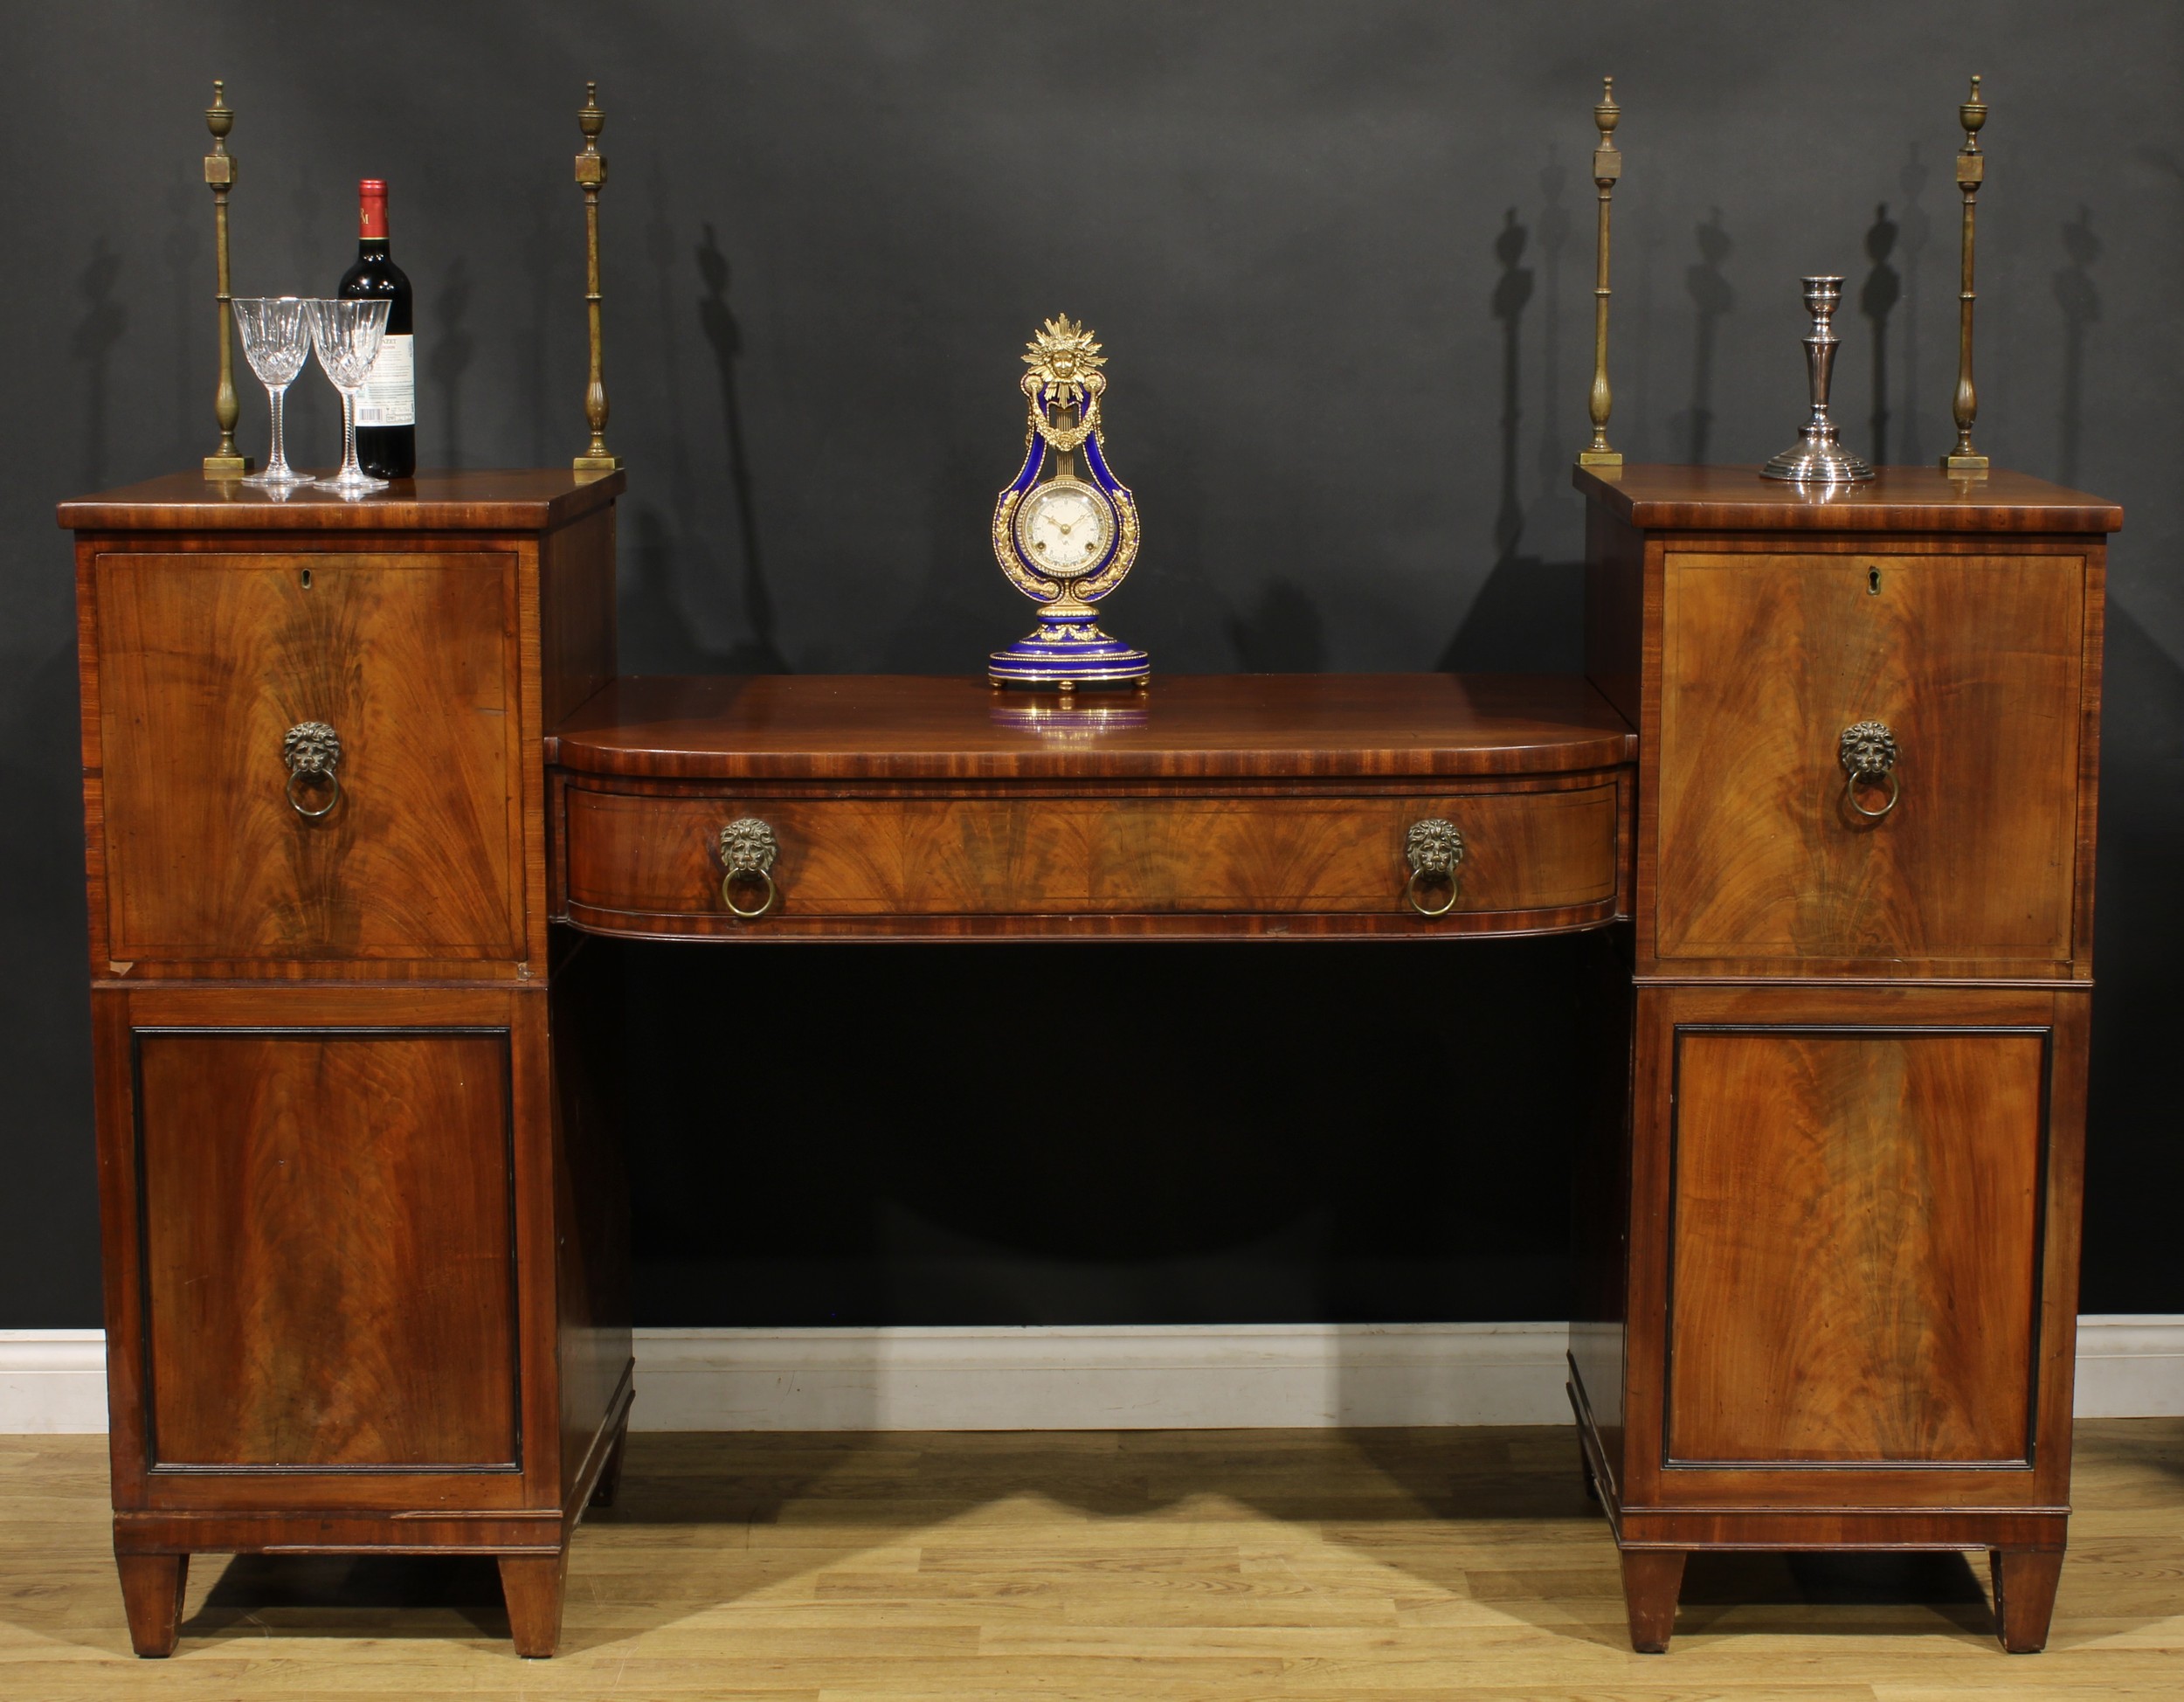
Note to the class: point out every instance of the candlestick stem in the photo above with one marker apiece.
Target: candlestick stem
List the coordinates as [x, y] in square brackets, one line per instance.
[227, 462]
[1818, 456]
[1608, 167]
[592, 178]
[1964, 461]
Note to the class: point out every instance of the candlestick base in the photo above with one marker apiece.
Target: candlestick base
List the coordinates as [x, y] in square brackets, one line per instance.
[1965, 467]
[1817, 462]
[228, 467]
[597, 463]
[1600, 459]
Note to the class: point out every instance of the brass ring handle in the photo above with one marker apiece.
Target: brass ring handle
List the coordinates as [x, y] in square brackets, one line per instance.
[312, 750]
[748, 849]
[1866, 751]
[728, 893]
[1434, 848]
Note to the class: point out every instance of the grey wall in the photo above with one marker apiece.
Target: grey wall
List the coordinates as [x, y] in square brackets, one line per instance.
[1340, 257]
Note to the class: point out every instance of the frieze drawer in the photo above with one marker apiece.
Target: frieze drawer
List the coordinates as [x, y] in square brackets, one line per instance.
[1525, 856]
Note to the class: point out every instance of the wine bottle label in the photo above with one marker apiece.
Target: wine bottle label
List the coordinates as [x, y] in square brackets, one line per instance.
[388, 396]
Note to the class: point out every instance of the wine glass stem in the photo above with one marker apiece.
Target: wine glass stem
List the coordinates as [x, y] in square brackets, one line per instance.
[349, 469]
[276, 462]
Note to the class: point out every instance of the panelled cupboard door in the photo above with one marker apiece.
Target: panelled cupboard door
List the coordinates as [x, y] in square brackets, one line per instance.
[1854, 1250]
[206, 661]
[327, 1260]
[1973, 663]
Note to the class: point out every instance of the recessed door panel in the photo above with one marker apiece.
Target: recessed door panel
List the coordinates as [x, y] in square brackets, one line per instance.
[1855, 1245]
[327, 1255]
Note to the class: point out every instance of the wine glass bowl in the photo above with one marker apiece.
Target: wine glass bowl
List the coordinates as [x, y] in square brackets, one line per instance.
[276, 334]
[347, 336]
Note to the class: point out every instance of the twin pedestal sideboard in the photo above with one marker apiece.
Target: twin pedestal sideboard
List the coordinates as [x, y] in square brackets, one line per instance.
[361, 782]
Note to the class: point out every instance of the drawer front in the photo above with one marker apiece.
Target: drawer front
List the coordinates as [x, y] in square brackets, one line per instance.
[1973, 664]
[206, 661]
[1525, 853]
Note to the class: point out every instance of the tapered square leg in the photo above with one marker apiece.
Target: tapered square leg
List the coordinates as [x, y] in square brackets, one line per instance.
[1652, 1580]
[532, 1585]
[2024, 1596]
[151, 1592]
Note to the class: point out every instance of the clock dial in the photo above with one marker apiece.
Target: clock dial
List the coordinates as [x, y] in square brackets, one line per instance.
[1064, 528]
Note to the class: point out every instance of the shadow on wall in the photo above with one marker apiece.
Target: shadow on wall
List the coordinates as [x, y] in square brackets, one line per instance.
[1711, 297]
[1282, 634]
[2081, 303]
[1876, 300]
[1915, 228]
[1529, 614]
[759, 654]
[453, 348]
[655, 622]
[184, 249]
[92, 343]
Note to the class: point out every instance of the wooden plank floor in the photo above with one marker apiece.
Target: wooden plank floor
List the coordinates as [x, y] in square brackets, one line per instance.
[1305, 1565]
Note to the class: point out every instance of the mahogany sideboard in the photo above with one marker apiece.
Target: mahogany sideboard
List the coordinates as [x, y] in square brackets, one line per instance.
[365, 1249]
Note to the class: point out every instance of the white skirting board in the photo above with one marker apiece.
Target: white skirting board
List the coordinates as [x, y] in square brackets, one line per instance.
[1115, 1377]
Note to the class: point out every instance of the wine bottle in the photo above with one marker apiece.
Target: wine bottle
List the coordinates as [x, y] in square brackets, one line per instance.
[386, 410]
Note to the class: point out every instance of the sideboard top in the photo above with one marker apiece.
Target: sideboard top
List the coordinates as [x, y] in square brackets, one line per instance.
[524, 501]
[1900, 499]
[873, 726]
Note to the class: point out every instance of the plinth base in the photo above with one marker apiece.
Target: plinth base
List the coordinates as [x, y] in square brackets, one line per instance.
[228, 467]
[1064, 653]
[1810, 463]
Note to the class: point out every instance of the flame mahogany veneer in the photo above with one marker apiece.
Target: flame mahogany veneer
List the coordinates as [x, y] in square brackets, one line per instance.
[364, 1242]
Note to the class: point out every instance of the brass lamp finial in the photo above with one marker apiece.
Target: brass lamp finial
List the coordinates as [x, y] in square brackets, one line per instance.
[592, 178]
[227, 462]
[1964, 461]
[1608, 167]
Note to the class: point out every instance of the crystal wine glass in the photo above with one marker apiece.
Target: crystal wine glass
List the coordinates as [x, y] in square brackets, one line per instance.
[347, 334]
[276, 341]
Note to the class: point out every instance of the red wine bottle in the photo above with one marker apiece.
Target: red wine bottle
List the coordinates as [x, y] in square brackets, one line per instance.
[386, 410]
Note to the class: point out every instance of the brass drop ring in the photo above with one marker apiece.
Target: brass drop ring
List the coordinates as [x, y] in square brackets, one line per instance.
[333, 794]
[1895, 790]
[728, 892]
[1410, 890]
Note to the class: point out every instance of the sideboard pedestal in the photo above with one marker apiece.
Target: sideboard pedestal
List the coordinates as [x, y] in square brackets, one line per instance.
[1831, 1292]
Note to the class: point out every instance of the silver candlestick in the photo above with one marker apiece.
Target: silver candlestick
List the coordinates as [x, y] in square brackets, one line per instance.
[1818, 457]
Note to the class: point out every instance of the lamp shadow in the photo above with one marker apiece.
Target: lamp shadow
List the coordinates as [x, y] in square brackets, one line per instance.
[1883, 289]
[92, 343]
[453, 349]
[758, 654]
[1712, 297]
[1528, 612]
[2079, 298]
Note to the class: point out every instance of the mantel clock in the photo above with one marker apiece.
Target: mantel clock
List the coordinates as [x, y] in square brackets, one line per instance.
[1065, 531]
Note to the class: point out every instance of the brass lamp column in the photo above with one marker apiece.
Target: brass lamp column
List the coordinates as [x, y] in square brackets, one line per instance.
[1964, 461]
[592, 178]
[219, 172]
[1608, 167]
